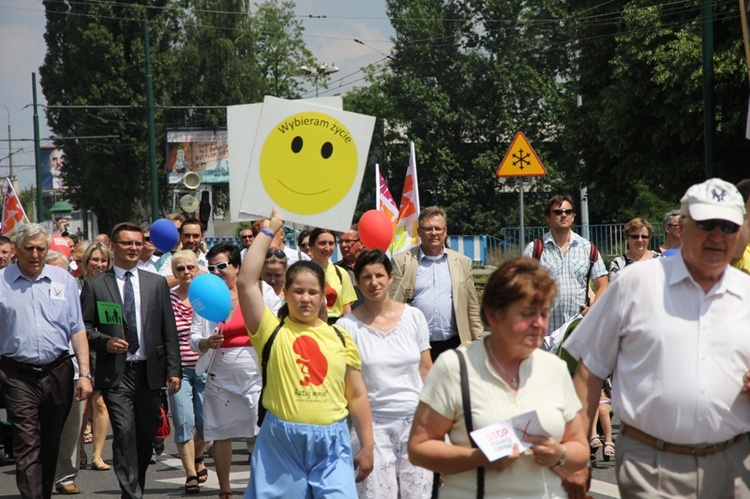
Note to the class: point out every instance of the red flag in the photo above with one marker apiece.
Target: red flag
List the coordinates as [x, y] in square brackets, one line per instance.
[13, 213]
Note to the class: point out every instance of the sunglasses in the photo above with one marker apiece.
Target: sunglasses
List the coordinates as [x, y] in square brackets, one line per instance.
[277, 253]
[247, 237]
[639, 236]
[304, 245]
[147, 239]
[560, 212]
[709, 225]
[348, 241]
[183, 268]
[220, 266]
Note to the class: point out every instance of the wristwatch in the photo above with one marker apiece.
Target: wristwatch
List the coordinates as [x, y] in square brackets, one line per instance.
[563, 458]
[84, 375]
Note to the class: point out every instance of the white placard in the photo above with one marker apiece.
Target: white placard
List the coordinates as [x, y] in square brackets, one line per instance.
[497, 440]
[308, 160]
[242, 125]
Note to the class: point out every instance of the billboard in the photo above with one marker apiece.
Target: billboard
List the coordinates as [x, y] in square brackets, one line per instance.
[53, 161]
[204, 152]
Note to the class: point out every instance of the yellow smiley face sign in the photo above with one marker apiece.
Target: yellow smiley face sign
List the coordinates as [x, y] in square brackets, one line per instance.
[308, 162]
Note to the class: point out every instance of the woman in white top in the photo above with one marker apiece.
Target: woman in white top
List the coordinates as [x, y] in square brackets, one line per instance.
[394, 344]
[638, 234]
[508, 375]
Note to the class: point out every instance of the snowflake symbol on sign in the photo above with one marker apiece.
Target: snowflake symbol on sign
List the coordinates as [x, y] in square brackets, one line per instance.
[521, 158]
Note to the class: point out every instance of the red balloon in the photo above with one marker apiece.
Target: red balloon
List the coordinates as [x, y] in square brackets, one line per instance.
[375, 230]
[58, 243]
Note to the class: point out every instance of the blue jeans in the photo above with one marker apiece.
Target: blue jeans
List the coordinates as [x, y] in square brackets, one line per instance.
[187, 406]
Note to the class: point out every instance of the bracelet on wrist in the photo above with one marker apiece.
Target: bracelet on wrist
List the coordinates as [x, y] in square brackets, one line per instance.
[267, 232]
[563, 458]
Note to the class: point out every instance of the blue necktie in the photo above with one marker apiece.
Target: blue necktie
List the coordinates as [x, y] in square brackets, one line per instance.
[131, 331]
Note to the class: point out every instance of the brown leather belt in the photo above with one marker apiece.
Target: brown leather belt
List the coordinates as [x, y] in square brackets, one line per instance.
[697, 450]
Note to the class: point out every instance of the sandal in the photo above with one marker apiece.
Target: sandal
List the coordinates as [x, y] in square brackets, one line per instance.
[595, 443]
[88, 438]
[192, 488]
[202, 474]
[98, 464]
[609, 450]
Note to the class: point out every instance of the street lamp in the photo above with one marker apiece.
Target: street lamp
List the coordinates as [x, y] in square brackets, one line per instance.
[10, 145]
[321, 70]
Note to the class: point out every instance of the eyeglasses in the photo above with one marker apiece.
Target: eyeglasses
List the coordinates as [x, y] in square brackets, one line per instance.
[277, 253]
[430, 230]
[727, 227]
[127, 244]
[639, 236]
[560, 212]
[218, 266]
[183, 268]
[348, 241]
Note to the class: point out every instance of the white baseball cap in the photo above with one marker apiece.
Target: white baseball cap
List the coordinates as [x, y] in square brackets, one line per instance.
[715, 199]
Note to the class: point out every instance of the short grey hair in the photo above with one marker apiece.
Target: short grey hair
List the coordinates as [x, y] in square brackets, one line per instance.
[432, 211]
[27, 231]
[53, 255]
[668, 217]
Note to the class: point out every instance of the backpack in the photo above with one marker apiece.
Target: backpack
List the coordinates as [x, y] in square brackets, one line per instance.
[593, 257]
[265, 355]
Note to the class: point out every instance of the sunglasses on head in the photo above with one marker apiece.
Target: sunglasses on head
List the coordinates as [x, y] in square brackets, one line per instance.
[220, 266]
[727, 227]
[277, 253]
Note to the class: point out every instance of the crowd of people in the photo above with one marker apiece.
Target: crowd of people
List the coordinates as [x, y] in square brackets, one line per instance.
[367, 377]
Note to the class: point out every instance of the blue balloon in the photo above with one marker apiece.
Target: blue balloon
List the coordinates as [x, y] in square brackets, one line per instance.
[210, 298]
[164, 235]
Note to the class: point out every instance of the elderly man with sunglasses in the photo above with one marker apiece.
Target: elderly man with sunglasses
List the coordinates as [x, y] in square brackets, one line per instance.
[568, 258]
[675, 333]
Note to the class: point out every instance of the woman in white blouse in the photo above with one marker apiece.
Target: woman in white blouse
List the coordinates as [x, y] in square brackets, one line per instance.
[394, 344]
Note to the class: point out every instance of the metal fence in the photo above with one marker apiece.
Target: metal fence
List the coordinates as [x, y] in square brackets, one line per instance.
[491, 250]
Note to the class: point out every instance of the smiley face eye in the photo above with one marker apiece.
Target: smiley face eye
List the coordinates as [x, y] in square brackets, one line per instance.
[296, 144]
[327, 150]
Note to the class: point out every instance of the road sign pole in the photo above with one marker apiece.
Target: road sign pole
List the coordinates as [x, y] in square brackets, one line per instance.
[521, 238]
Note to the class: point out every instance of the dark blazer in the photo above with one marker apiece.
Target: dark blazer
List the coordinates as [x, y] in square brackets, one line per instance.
[157, 324]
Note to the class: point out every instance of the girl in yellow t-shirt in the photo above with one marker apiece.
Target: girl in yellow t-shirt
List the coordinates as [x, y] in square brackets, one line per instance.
[313, 384]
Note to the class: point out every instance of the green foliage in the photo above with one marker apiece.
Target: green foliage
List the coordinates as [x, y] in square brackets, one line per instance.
[205, 55]
[640, 129]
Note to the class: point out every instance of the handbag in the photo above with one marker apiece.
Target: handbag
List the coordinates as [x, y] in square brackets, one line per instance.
[164, 429]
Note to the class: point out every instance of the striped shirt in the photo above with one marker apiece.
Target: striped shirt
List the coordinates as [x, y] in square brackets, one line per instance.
[183, 317]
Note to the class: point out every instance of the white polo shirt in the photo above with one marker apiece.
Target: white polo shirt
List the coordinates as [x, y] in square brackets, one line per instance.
[678, 354]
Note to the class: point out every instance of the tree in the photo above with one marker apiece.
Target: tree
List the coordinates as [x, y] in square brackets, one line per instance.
[640, 128]
[95, 60]
[465, 77]
[205, 55]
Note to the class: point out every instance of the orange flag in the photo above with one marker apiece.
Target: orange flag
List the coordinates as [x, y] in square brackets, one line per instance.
[13, 213]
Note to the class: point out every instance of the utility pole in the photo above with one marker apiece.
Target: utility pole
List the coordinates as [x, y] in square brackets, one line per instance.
[709, 120]
[37, 156]
[151, 126]
[10, 146]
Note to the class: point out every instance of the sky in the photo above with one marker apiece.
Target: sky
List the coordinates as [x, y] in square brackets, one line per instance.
[331, 26]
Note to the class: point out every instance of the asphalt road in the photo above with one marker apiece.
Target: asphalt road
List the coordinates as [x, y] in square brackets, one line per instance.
[166, 478]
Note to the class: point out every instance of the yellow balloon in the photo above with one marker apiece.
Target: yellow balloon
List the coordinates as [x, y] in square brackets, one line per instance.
[308, 163]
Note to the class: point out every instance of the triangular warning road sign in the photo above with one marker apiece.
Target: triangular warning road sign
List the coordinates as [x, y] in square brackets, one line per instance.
[521, 160]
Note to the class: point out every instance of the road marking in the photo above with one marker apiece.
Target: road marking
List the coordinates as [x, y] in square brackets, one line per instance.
[605, 488]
